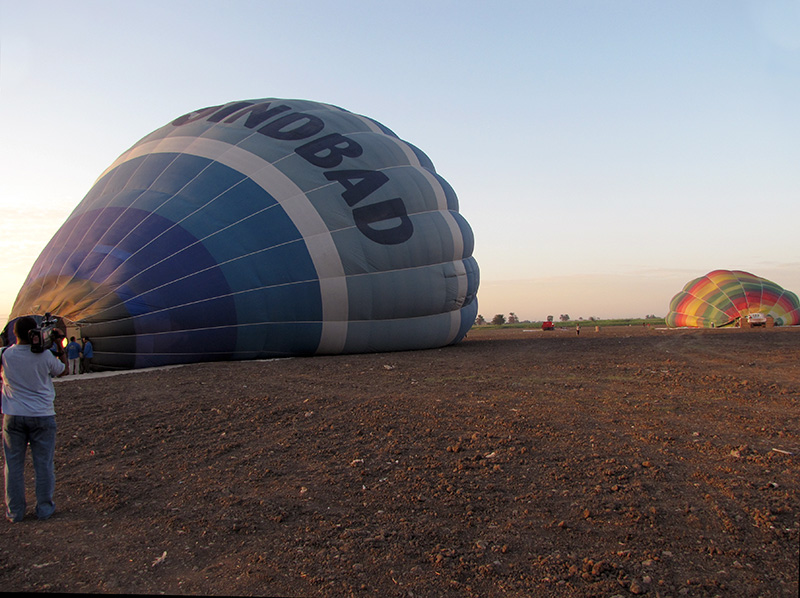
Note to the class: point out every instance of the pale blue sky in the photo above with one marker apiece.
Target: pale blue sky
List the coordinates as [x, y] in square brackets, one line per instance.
[604, 153]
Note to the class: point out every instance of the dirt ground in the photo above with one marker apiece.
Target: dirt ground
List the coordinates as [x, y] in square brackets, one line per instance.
[625, 461]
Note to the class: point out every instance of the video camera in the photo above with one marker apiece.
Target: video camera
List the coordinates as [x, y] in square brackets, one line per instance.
[43, 337]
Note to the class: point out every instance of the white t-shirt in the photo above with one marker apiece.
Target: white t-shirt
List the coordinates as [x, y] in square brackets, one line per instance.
[28, 381]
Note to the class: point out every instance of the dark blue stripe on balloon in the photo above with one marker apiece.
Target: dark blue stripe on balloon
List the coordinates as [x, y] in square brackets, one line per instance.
[423, 158]
[473, 281]
[287, 303]
[468, 314]
[449, 193]
[466, 235]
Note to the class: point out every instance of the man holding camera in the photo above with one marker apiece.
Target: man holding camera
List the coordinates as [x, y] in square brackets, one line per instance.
[29, 418]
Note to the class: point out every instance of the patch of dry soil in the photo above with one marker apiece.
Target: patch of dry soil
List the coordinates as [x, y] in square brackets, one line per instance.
[621, 461]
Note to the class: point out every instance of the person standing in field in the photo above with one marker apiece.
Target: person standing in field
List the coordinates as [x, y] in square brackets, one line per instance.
[88, 354]
[29, 418]
[73, 356]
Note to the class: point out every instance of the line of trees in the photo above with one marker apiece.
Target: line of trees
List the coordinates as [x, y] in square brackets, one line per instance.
[500, 319]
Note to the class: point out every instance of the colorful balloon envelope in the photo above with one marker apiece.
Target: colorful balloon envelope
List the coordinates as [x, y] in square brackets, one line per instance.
[257, 229]
[724, 297]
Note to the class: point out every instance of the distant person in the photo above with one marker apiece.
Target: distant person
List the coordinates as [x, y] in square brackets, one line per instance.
[88, 354]
[73, 356]
[577, 329]
[29, 418]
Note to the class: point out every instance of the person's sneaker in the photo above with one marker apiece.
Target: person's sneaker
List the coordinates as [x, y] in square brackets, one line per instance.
[47, 516]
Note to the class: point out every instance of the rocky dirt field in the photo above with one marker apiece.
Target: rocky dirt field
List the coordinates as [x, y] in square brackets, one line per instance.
[624, 461]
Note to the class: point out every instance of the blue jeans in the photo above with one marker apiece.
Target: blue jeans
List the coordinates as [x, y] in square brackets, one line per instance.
[40, 433]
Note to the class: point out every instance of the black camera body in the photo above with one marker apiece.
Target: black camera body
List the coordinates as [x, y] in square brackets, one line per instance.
[43, 337]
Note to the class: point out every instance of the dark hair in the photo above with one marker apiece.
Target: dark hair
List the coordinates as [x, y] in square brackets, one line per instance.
[22, 328]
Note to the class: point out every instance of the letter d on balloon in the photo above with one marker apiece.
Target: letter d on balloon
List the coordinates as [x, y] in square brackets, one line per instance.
[384, 212]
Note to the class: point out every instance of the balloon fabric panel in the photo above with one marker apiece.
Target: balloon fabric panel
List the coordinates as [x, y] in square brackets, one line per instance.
[261, 228]
[724, 297]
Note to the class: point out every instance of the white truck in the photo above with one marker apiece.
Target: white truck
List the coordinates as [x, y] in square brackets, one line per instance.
[755, 319]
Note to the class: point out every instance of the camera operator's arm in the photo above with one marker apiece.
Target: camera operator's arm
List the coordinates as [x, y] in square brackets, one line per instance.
[57, 367]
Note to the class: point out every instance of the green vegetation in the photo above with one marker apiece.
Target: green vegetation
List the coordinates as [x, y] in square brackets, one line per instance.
[652, 321]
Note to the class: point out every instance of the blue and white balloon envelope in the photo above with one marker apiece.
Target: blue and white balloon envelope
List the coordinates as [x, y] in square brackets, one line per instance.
[258, 229]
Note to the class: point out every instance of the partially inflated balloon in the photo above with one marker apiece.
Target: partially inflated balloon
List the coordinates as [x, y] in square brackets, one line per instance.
[257, 229]
[723, 297]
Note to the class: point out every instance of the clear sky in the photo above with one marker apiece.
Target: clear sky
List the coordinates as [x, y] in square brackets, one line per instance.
[604, 152]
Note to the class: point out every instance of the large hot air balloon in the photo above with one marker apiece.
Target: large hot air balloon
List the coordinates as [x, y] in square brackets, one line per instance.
[724, 297]
[257, 229]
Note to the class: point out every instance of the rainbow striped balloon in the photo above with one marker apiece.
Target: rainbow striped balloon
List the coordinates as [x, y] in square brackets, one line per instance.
[722, 297]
